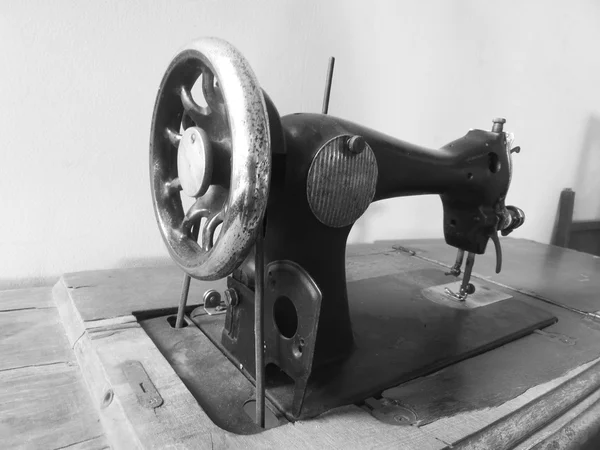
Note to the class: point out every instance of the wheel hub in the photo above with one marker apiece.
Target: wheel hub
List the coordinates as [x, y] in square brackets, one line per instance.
[194, 162]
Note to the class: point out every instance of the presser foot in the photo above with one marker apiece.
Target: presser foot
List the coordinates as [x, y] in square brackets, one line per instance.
[461, 295]
[466, 287]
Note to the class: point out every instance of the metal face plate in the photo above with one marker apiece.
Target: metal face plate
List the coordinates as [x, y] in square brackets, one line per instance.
[341, 184]
[399, 335]
[294, 353]
[482, 296]
[141, 384]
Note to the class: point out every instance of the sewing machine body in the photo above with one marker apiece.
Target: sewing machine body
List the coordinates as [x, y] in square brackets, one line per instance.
[310, 327]
[295, 185]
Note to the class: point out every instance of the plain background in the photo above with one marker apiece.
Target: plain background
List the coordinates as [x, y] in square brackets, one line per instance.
[78, 81]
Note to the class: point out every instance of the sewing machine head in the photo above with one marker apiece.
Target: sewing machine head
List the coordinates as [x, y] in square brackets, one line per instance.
[285, 192]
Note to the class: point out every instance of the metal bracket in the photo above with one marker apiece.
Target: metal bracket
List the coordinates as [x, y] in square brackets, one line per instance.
[213, 304]
[293, 353]
[140, 383]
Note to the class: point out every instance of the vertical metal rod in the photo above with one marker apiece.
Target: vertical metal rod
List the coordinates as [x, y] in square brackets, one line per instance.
[328, 85]
[185, 288]
[259, 262]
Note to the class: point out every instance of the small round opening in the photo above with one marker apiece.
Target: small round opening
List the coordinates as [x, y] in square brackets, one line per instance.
[452, 223]
[107, 399]
[285, 316]
[271, 420]
[469, 176]
[173, 320]
[494, 163]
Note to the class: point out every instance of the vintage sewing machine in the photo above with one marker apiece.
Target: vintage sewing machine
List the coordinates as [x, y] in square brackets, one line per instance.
[273, 200]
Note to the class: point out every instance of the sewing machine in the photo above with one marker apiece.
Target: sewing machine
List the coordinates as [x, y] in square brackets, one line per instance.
[273, 200]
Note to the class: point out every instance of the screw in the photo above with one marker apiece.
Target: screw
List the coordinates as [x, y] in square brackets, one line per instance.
[356, 144]
[107, 399]
[231, 297]
[498, 124]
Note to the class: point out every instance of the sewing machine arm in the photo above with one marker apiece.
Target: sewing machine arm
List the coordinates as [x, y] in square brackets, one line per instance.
[471, 174]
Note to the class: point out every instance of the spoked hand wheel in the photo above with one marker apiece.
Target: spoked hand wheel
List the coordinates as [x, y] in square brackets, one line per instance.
[219, 155]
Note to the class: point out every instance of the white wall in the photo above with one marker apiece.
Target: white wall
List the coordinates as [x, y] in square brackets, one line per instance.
[78, 79]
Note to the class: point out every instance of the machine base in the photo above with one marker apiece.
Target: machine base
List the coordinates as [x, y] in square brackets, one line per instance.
[399, 335]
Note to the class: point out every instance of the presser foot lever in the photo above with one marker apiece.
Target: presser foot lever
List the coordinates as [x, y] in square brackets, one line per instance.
[455, 269]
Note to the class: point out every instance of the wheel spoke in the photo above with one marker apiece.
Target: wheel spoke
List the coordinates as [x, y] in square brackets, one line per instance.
[197, 113]
[210, 206]
[208, 231]
[194, 216]
[173, 186]
[186, 121]
[213, 96]
[173, 137]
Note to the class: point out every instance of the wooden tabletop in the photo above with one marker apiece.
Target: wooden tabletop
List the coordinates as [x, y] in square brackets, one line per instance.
[565, 276]
[44, 402]
[453, 404]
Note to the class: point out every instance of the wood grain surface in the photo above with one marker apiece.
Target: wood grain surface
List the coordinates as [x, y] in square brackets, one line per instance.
[119, 290]
[519, 424]
[47, 407]
[96, 308]
[32, 337]
[44, 402]
[102, 350]
[562, 275]
[559, 423]
[493, 378]
[23, 299]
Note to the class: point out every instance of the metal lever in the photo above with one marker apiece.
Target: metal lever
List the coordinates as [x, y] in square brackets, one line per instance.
[455, 270]
[513, 218]
[185, 287]
[498, 249]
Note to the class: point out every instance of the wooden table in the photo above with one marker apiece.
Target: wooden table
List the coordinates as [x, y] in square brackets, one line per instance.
[475, 403]
[44, 402]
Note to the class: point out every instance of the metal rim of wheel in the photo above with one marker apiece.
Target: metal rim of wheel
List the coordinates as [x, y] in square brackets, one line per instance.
[218, 154]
